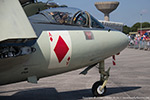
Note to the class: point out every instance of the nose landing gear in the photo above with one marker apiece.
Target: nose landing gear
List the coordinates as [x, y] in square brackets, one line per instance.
[96, 89]
[99, 87]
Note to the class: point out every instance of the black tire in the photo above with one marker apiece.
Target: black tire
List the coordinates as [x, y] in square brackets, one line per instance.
[95, 88]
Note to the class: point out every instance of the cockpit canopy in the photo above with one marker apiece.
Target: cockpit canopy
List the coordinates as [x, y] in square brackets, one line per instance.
[70, 16]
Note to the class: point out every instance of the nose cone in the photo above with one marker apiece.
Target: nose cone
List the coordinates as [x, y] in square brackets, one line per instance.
[119, 41]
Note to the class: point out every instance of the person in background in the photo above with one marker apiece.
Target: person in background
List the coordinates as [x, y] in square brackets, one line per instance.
[148, 42]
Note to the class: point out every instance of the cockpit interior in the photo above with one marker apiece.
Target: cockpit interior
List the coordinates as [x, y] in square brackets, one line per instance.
[67, 16]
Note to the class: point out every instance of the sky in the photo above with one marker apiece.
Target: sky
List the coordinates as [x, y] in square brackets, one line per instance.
[128, 12]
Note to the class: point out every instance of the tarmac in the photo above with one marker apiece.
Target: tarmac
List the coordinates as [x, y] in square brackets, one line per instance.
[129, 80]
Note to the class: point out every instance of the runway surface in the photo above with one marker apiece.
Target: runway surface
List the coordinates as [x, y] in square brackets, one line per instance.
[129, 80]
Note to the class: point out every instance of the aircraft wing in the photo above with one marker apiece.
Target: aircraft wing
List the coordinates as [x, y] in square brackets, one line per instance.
[16, 34]
[13, 22]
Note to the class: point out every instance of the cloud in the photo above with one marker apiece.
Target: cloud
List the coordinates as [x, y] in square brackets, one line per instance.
[144, 11]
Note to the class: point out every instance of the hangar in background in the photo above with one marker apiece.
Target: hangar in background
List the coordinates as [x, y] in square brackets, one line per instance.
[144, 30]
[114, 25]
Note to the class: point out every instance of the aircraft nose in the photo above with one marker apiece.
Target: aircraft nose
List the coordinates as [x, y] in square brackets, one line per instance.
[120, 41]
[124, 39]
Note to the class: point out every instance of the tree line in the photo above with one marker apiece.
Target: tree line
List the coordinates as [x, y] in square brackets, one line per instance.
[134, 28]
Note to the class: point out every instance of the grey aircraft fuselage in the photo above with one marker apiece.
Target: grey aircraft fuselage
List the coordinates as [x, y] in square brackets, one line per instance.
[61, 48]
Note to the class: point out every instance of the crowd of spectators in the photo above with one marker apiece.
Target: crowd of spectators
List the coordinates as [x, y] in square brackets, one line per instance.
[140, 41]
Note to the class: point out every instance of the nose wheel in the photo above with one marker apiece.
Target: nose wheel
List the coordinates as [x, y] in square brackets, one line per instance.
[99, 87]
[96, 89]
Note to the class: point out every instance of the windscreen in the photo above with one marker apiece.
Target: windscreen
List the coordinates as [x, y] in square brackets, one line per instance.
[95, 23]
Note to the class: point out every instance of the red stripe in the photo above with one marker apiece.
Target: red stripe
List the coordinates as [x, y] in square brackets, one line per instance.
[113, 57]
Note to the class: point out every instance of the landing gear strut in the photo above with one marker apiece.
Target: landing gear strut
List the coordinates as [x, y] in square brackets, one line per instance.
[99, 87]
